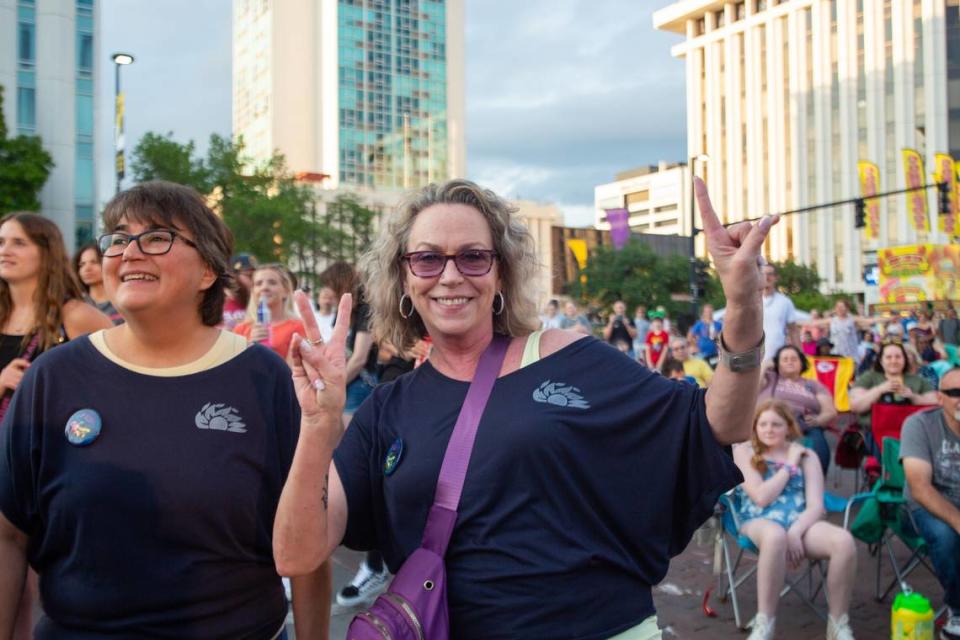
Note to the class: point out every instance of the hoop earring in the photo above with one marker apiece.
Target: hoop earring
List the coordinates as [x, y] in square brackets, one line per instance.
[407, 315]
[503, 304]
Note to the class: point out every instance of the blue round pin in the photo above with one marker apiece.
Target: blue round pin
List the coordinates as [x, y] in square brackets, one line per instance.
[83, 427]
[392, 459]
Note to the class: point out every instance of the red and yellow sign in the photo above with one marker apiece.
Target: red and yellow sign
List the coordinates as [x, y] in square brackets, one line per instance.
[916, 200]
[919, 273]
[869, 186]
[945, 172]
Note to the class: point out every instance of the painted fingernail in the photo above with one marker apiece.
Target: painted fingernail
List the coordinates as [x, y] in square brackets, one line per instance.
[319, 385]
[766, 223]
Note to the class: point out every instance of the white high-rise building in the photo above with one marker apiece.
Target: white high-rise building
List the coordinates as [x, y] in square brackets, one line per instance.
[367, 92]
[48, 50]
[786, 96]
[654, 196]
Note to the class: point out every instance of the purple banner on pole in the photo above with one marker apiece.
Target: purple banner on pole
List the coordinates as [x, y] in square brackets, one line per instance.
[619, 227]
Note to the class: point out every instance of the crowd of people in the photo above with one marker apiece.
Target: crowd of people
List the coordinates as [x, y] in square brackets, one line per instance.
[236, 429]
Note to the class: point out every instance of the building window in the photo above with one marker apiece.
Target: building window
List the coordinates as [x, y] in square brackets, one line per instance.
[85, 52]
[26, 43]
[26, 110]
[637, 197]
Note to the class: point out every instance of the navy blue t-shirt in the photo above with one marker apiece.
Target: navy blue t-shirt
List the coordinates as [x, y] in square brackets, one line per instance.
[162, 526]
[588, 473]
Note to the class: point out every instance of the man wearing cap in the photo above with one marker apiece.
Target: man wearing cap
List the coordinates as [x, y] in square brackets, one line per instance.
[930, 452]
[235, 305]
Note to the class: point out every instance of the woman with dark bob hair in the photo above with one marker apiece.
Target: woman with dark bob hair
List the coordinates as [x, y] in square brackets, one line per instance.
[140, 467]
[559, 532]
[890, 381]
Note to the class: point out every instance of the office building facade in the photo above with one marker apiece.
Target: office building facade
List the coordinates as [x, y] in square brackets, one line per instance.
[785, 97]
[654, 196]
[48, 53]
[367, 92]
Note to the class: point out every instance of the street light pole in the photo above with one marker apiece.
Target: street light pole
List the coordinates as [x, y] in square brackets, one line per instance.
[692, 164]
[119, 60]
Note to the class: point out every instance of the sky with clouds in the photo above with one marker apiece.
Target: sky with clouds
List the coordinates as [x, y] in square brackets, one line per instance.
[561, 94]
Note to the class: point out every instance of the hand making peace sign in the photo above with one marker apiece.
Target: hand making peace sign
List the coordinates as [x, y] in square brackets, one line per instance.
[319, 368]
[735, 250]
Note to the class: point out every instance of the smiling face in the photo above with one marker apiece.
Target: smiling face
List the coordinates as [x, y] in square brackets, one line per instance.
[892, 360]
[89, 268]
[452, 305]
[772, 429]
[271, 286]
[20, 257]
[156, 286]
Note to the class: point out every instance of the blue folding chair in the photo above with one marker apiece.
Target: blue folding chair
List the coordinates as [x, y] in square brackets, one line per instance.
[807, 586]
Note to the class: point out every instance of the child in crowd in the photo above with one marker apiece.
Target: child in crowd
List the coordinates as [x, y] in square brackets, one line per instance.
[657, 340]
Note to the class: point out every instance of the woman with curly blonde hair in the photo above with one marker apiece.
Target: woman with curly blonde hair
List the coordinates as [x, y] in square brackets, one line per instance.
[782, 514]
[557, 515]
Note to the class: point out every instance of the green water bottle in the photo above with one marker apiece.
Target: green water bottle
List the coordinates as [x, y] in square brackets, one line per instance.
[911, 617]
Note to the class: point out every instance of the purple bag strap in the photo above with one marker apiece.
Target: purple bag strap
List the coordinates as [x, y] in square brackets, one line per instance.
[456, 459]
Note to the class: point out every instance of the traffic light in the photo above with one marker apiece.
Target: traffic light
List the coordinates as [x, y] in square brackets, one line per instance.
[860, 220]
[700, 279]
[944, 190]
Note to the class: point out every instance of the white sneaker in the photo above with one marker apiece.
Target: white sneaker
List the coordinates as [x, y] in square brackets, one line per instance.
[762, 628]
[951, 630]
[364, 587]
[839, 629]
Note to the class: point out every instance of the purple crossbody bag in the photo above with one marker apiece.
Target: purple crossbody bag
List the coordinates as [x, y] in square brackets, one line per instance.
[415, 605]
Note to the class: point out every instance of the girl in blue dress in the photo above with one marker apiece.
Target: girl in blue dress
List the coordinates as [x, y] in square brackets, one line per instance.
[782, 514]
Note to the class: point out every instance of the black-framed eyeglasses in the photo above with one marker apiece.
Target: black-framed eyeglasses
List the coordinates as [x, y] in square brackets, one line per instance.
[430, 264]
[952, 393]
[154, 242]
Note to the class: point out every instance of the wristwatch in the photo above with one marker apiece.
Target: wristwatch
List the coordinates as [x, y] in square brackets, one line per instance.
[743, 361]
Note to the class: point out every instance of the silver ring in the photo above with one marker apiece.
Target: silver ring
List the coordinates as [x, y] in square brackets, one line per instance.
[314, 343]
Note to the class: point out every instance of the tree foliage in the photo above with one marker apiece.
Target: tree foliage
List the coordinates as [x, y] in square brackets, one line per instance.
[636, 275]
[24, 168]
[271, 214]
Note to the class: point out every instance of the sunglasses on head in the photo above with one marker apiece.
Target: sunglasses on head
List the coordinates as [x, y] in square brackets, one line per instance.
[953, 393]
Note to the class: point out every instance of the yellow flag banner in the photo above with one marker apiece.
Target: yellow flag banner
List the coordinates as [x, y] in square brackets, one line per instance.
[579, 249]
[956, 198]
[916, 200]
[944, 172]
[869, 186]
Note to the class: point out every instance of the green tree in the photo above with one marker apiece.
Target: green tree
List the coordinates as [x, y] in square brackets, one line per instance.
[636, 275]
[160, 157]
[272, 216]
[24, 168]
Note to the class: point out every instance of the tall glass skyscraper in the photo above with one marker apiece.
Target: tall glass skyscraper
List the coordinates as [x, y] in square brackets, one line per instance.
[47, 61]
[368, 92]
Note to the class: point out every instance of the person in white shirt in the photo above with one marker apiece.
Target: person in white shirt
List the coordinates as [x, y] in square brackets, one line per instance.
[552, 318]
[326, 311]
[779, 315]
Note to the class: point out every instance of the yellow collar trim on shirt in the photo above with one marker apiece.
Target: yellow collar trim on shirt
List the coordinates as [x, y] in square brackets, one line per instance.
[228, 346]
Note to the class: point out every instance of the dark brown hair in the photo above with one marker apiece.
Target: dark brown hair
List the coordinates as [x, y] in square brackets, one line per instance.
[168, 205]
[878, 366]
[78, 256]
[56, 283]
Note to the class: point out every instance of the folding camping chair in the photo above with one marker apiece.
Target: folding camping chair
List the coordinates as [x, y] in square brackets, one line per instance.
[884, 517]
[807, 586]
[886, 421]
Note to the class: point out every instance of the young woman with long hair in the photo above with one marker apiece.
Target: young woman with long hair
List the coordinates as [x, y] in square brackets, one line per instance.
[41, 305]
[86, 266]
[273, 286]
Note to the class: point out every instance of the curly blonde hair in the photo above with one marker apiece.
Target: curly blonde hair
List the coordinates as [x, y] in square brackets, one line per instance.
[383, 273]
[793, 430]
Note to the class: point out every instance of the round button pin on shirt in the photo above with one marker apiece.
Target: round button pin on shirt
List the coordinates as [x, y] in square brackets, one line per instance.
[83, 427]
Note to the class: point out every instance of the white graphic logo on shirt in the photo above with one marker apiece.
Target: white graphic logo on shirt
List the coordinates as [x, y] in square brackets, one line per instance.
[219, 417]
[560, 394]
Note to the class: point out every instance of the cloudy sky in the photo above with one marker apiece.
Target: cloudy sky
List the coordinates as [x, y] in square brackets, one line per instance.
[561, 94]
